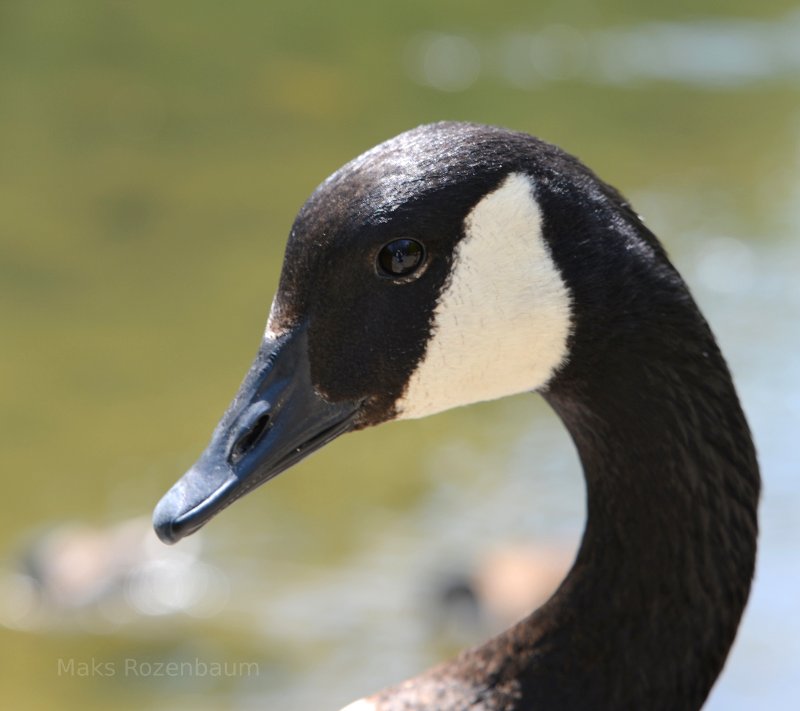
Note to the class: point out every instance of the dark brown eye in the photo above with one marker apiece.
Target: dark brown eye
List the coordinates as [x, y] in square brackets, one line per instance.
[400, 257]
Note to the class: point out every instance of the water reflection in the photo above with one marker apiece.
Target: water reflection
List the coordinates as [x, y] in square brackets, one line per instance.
[721, 53]
[725, 265]
[444, 61]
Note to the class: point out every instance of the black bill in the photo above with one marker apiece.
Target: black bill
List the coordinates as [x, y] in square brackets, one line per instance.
[275, 420]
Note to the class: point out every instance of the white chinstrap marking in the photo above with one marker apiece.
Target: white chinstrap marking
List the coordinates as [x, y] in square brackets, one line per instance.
[501, 324]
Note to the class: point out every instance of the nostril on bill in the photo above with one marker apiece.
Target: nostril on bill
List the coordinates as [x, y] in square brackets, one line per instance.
[250, 437]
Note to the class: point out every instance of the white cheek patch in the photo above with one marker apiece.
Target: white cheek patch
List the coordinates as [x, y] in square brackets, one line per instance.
[502, 322]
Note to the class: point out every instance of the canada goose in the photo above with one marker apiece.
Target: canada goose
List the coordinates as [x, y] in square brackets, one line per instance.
[75, 576]
[457, 263]
[502, 586]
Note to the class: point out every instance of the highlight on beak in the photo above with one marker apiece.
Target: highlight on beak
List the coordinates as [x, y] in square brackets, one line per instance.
[276, 419]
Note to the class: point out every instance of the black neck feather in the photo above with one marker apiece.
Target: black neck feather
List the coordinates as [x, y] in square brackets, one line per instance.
[650, 609]
[648, 613]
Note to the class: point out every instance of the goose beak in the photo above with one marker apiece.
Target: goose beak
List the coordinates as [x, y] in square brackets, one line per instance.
[276, 419]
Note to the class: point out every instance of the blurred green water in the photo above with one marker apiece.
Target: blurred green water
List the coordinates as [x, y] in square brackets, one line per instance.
[152, 157]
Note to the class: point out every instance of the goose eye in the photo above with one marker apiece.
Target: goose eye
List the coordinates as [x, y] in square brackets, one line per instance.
[400, 257]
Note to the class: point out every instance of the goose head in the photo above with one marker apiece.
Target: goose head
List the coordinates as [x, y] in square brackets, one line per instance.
[436, 270]
[417, 278]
